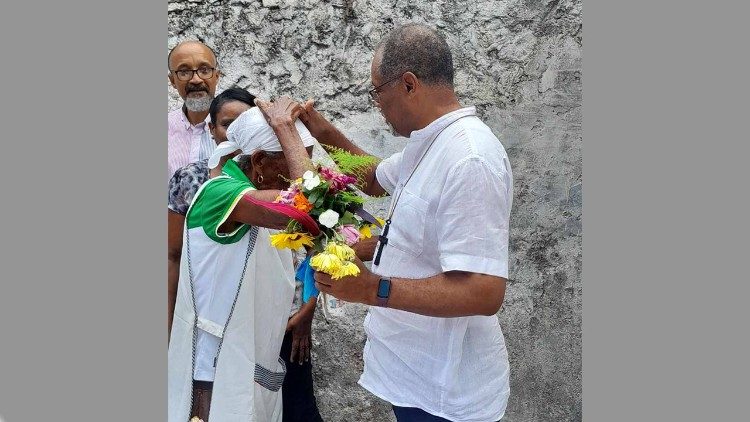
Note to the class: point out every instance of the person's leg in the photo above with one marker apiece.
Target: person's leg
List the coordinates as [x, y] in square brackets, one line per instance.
[201, 399]
[413, 414]
[298, 398]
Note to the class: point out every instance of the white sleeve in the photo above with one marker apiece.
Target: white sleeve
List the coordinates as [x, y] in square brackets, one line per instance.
[473, 218]
[387, 172]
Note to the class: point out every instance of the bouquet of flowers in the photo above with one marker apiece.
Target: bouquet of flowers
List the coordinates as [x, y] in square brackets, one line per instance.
[328, 196]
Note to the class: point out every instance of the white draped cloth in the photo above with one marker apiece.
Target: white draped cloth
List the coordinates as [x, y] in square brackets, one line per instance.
[251, 132]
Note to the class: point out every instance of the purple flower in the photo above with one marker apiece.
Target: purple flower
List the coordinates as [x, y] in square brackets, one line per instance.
[287, 196]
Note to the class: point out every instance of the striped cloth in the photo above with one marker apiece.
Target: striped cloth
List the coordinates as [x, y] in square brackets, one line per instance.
[269, 379]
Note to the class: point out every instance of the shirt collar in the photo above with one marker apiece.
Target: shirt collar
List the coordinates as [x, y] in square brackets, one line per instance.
[418, 141]
[186, 123]
[440, 123]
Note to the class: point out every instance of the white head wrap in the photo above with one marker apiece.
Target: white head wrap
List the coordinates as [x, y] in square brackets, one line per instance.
[250, 132]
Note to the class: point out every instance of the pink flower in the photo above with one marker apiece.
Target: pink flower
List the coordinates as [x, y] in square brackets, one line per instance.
[327, 173]
[349, 233]
[287, 196]
[338, 181]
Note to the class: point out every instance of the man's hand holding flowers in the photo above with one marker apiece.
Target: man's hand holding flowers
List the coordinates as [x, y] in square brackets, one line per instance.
[360, 288]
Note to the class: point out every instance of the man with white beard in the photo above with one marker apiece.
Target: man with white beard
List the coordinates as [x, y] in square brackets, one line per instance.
[194, 74]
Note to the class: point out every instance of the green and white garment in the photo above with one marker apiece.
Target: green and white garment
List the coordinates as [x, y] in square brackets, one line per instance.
[241, 289]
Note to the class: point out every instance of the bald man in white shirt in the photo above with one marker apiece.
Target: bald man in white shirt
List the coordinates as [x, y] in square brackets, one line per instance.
[435, 349]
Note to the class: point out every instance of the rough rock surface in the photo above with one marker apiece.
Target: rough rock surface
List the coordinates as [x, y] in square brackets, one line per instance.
[519, 63]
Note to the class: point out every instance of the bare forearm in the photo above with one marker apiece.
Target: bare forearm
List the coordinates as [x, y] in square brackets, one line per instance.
[256, 215]
[175, 226]
[268, 195]
[173, 274]
[446, 295]
[294, 151]
[308, 309]
[334, 137]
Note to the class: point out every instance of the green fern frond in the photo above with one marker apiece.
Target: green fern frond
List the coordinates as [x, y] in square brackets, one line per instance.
[351, 164]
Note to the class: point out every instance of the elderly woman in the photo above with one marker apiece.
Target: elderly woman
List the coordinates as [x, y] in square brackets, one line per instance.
[235, 289]
[183, 185]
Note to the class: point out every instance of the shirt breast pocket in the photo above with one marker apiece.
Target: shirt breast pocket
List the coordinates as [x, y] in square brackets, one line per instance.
[407, 231]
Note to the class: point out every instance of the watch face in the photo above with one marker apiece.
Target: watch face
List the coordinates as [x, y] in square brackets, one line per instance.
[384, 287]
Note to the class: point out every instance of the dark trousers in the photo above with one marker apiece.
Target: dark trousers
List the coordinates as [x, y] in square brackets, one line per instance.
[412, 414]
[297, 394]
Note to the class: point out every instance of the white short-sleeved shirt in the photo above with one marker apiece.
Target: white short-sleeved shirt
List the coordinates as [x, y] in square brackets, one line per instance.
[452, 215]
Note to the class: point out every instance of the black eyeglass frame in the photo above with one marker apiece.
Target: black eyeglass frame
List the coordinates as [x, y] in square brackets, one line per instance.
[375, 92]
[193, 72]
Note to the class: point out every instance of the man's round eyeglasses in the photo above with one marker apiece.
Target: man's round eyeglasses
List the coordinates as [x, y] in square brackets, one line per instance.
[187, 74]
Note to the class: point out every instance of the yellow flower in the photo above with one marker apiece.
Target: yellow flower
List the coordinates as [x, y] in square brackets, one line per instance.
[291, 240]
[342, 251]
[365, 232]
[380, 220]
[326, 262]
[347, 269]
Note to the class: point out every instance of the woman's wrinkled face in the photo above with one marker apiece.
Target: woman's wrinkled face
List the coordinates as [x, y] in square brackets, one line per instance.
[224, 117]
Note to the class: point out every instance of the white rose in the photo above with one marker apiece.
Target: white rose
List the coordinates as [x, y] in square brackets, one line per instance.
[329, 218]
[308, 175]
[311, 183]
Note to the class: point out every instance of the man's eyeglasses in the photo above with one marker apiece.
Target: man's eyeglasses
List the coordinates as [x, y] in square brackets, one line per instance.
[374, 93]
[203, 72]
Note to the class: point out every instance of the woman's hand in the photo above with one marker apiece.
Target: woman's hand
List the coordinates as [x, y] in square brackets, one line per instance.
[281, 115]
[301, 325]
[282, 112]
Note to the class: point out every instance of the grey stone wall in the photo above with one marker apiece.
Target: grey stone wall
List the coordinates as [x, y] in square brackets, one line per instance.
[519, 63]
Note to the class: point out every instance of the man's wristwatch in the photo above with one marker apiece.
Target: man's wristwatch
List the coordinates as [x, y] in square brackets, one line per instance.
[384, 291]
